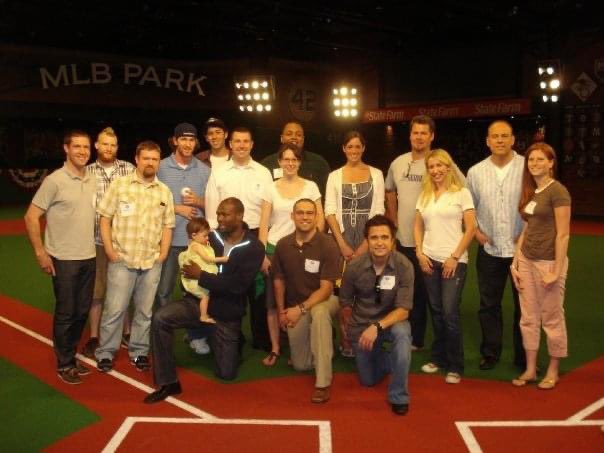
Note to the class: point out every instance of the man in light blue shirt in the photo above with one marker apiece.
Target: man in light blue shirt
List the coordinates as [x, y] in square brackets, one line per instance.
[187, 179]
[495, 184]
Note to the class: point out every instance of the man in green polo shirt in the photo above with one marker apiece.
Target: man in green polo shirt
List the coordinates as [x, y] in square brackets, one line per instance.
[313, 166]
[66, 199]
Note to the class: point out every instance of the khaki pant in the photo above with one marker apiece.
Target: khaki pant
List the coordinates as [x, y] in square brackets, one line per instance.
[311, 341]
[542, 307]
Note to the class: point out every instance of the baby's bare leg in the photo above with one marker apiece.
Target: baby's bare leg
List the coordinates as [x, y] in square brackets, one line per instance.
[203, 308]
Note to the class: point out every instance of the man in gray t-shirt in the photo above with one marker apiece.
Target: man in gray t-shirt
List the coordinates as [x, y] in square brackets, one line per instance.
[66, 198]
[403, 186]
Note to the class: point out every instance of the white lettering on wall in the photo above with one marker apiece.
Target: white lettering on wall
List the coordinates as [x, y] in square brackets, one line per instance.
[60, 79]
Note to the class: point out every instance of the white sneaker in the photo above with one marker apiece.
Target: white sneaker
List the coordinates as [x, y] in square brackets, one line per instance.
[429, 368]
[453, 378]
[200, 346]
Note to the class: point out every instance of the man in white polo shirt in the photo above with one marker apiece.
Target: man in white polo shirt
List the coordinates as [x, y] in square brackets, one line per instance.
[245, 179]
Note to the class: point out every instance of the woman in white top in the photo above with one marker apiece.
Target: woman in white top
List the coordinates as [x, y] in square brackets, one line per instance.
[444, 227]
[276, 223]
[354, 194]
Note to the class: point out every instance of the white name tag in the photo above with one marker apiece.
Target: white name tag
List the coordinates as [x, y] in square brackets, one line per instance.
[311, 266]
[530, 207]
[387, 282]
[126, 209]
[277, 173]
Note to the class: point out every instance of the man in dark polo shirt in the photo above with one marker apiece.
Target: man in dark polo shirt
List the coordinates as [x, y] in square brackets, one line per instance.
[305, 266]
[313, 166]
[376, 296]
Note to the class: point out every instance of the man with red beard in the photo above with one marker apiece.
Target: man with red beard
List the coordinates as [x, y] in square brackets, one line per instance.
[137, 218]
[105, 169]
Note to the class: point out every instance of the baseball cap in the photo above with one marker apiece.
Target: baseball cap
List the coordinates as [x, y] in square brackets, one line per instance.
[185, 130]
[214, 122]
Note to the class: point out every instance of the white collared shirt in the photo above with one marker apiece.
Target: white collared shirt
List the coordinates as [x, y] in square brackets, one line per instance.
[247, 183]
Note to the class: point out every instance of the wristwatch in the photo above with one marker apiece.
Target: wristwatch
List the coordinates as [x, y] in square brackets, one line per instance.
[378, 326]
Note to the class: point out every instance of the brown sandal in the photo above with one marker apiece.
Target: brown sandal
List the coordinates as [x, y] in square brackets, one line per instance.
[270, 359]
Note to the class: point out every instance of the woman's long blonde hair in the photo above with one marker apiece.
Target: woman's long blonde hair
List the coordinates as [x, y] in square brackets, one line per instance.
[452, 181]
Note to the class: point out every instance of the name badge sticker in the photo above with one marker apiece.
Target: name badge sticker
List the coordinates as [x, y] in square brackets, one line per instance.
[126, 209]
[277, 173]
[387, 282]
[530, 207]
[311, 266]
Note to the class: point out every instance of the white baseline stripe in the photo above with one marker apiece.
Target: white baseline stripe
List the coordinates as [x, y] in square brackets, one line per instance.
[588, 410]
[325, 441]
[116, 374]
[468, 437]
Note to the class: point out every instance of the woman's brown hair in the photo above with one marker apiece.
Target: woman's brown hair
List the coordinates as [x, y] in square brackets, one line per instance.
[528, 182]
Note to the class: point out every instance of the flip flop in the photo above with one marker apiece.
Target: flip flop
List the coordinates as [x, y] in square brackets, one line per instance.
[521, 382]
[270, 359]
[547, 384]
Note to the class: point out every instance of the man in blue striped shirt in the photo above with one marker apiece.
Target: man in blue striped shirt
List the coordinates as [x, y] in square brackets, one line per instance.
[495, 184]
[187, 179]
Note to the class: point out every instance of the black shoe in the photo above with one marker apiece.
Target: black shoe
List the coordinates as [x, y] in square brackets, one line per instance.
[104, 365]
[141, 363]
[400, 409]
[82, 370]
[69, 375]
[487, 363]
[90, 347]
[163, 392]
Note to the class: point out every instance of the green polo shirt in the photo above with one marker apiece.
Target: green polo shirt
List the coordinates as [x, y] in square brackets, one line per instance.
[68, 201]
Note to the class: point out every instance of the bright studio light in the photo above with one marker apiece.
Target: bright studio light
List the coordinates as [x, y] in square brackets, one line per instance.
[255, 93]
[345, 102]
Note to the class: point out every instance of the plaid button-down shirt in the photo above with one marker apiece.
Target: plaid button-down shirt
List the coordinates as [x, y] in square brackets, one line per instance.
[139, 212]
[103, 179]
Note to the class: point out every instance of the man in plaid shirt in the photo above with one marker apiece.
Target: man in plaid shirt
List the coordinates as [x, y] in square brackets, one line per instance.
[105, 169]
[137, 218]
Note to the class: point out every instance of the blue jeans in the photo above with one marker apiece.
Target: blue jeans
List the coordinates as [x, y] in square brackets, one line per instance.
[169, 272]
[418, 317]
[73, 285]
[372, 366]
[224, 339]
[123, 284]
[445, 297]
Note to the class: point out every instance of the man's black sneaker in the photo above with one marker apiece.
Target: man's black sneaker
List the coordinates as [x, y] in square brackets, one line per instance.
[69, 375]
[104, 365]
[141, 363]
[90, 347]
[82, 370]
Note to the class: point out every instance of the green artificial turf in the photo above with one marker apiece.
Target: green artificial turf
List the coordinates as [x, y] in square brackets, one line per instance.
[34, 415]
[12, 213]
[21, 278]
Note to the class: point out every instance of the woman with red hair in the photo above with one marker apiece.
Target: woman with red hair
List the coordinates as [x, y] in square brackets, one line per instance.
[540, 263]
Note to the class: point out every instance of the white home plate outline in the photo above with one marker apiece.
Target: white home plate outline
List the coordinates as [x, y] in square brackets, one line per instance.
[578, 419]
[324, 426]
[124, 429]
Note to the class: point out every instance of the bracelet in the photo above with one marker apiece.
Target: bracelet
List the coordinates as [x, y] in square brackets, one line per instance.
[454, 257]
[302, 308]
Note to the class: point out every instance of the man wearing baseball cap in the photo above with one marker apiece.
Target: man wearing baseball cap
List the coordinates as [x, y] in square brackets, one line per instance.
[216, 133]
[187, 179]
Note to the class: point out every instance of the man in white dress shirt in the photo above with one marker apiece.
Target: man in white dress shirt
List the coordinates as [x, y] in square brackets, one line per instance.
[243, 178]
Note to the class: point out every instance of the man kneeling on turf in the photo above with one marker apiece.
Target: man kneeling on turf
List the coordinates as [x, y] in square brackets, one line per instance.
[376, 296]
